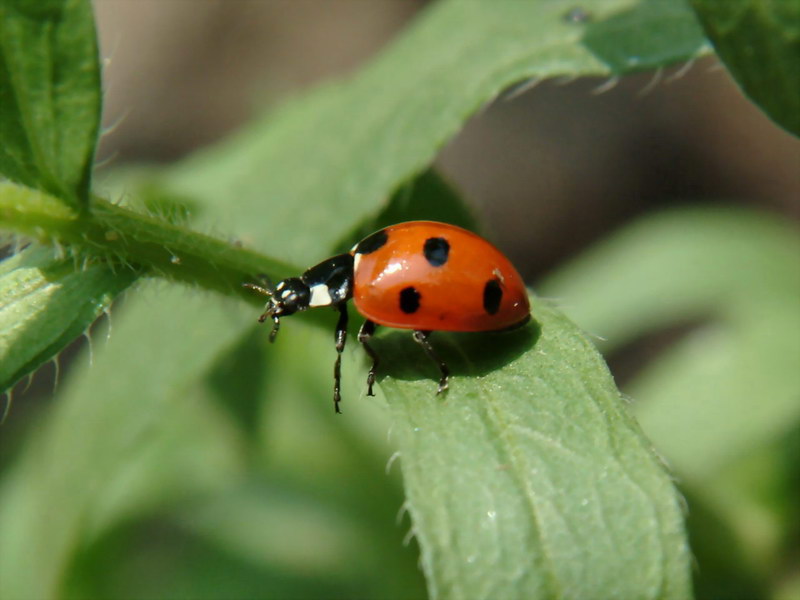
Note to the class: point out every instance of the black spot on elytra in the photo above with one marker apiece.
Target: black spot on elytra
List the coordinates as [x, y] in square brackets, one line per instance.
[492, 295]
[373, 242]
[436, 250]
[409, 300]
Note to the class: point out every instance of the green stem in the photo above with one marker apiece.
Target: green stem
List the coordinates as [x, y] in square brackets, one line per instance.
[123, 236]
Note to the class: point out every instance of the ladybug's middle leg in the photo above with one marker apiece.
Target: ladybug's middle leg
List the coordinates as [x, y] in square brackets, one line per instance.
[341, 338]
[421, 337]
[364, 335]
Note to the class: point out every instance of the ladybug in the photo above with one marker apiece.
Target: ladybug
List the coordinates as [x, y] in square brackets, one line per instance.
[420, 275]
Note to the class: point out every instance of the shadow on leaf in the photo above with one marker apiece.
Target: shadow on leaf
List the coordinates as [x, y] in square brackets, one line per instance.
[466, 354]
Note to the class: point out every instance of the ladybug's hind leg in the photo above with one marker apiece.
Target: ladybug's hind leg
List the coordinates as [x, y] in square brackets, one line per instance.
[341, 338]
[421, 337]
[364, 335]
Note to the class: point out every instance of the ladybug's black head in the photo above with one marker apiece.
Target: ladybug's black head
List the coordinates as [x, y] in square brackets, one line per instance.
[330, 283]
[290, 295]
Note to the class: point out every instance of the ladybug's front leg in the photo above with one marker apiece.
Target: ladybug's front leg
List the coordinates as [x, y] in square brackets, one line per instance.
[364, 335]
[341, 338]
[421, 337]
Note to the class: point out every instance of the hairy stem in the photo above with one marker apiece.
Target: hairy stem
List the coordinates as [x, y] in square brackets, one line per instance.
[123, 236]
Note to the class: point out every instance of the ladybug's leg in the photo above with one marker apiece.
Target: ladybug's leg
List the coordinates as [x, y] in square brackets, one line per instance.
[364, 334]
[276, 323]
[266, 290]
[421, 337]
[341, 338]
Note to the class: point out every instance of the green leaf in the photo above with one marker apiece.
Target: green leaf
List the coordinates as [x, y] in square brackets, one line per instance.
[134, 432]
[50, 96]
[533, 436]
[144, 430]
[649, 35]
[755, 499]
[346, 147]
[731, 384]
[148, 442]
[529, 479]
[47, 303]
[712, 382]
[759, 42]
[213, 554]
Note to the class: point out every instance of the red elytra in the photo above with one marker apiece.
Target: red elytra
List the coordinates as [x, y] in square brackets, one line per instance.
[420, 275]
[462, 282]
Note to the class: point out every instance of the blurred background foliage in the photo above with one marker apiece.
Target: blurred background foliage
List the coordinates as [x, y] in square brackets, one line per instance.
[657, 210]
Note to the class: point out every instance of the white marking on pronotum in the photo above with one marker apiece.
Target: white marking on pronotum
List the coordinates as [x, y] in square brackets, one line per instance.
[320, 296]
[356, 260]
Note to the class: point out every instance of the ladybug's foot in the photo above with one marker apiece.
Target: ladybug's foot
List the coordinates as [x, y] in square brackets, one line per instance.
[337, 383]
[276, 324]
[443, 385]
[364, 335]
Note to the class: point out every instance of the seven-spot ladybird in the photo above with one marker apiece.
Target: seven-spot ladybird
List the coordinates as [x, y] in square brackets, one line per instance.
[420, 275]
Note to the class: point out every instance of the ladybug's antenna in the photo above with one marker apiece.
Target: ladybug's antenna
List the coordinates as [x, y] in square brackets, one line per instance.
[265, 289]
[257, 288]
